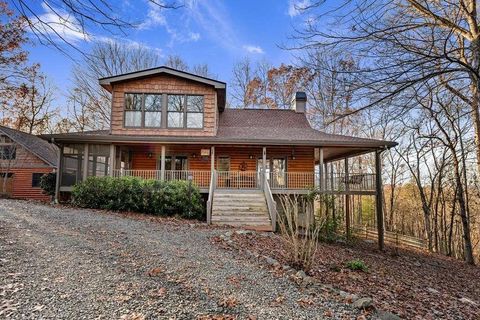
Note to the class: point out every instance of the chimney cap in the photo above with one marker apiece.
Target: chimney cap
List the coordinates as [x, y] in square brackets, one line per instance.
[300, 96]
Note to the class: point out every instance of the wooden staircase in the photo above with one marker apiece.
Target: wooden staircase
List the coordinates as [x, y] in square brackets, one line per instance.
[245, 209]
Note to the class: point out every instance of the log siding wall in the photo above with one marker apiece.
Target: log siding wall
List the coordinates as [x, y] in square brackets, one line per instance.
[22, 169]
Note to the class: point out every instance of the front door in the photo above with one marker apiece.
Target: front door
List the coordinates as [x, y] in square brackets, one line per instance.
[176, 167]
[276, 169]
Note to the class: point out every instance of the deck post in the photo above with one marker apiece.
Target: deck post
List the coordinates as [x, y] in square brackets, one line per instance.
[347, 200]
[321, 171]
[59, 175]
[264, 166]
[162, 164]
[379, 200]
[85, 162]
[111, 163]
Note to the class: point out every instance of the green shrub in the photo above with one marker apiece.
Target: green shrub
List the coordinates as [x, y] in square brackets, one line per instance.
[357, 265]
[47, 183]
[166, 198]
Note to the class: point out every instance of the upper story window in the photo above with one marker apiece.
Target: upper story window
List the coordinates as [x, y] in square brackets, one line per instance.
[143, 110]
[185, 111]
[148, 110]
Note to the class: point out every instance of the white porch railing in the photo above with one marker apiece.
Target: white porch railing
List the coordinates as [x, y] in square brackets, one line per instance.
[237, 180]
[337, 182]
[143, 174]
[200, 178]
[292, 180]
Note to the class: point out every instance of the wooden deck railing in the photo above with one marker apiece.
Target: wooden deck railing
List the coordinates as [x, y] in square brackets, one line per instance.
[352, 182]
[252, 179]
[200, 178]
[292, 180]
[237, 180]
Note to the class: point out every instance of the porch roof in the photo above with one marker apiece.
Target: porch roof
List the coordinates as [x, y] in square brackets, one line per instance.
[247, 127]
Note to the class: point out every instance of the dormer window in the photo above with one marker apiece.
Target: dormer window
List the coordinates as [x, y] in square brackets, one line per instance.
[185, 111]
[133, 110]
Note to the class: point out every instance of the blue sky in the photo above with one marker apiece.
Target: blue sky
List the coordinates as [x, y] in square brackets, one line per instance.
[215, 32]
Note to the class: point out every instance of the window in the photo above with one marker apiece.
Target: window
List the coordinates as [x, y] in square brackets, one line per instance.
[133, 110]
[153, 110]
[176, 163]
[8, 152]
[175, 111]
[72, 162]
[98, 160]
[36, 178]
[185, 111]
[195, 112]
[223, 164]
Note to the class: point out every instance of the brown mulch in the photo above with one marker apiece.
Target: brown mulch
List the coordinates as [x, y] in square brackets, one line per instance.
[411, 284]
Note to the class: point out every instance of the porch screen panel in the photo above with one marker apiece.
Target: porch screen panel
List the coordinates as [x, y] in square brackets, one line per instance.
[153, 110]
[98, 160]
[175, 111]
[72, 164]
[133, 110]
[195, 112]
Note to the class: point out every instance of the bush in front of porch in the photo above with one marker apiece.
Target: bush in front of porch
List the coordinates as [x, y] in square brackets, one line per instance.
[166, 198]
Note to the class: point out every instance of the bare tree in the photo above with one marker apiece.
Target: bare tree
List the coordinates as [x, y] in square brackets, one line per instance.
[29, 107]
[243, 74]
[405, 44]
[80, 17]
[88, 102]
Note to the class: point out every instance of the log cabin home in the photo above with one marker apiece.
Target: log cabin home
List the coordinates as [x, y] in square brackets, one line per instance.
[24, 159]
[168, 124]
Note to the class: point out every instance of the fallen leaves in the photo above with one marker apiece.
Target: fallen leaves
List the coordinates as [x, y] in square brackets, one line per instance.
[305, 302]
[228, 302]
[411, 284]
[133, 316]
[155, 272]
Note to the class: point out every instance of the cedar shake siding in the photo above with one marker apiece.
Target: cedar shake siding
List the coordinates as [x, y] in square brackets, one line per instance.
[164, 84]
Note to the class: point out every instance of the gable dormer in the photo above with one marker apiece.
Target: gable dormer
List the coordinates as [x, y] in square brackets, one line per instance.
[164, 101]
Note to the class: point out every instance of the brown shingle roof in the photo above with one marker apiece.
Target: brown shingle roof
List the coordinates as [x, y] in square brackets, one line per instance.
[251, 126]
[282, 125]
[46, 151]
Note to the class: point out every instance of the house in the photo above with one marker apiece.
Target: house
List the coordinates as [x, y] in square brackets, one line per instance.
[168, 124]
[24, 159]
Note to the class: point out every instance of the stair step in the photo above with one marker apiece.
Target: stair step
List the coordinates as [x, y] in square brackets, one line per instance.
[239, 207]
[240, 214]
[241, 219]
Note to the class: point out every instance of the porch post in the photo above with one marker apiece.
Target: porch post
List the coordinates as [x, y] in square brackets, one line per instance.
[347, 200]
[379, 200]
[264, 165]
[321, 171]
[59, 175]
[212, 158]
[85, 162]
[162, 164]
[111, 163]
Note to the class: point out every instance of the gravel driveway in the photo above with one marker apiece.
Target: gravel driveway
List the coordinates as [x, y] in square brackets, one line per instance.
[67, 263]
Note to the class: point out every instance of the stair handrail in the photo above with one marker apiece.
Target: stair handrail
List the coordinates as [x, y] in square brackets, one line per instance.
[271, 204]
[211, 190]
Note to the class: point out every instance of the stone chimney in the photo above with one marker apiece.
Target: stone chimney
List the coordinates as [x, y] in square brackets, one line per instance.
[299, 102]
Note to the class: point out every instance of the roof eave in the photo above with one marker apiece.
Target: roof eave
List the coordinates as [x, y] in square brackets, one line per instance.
[59, 138]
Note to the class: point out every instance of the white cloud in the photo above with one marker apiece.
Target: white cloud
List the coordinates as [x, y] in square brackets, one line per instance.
[194, 36]
[57, 23]
[296, 7]
[253, 49]
[155, 17]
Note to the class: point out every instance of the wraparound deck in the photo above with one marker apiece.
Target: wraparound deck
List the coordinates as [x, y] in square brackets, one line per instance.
[284, 182]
